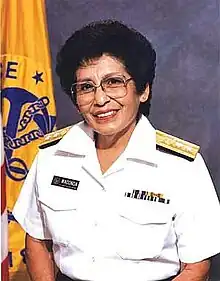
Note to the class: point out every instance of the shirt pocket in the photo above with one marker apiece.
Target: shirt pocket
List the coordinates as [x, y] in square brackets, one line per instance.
[60, 214]
[142, 229]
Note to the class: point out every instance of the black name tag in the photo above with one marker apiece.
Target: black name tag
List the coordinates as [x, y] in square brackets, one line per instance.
[65, 182]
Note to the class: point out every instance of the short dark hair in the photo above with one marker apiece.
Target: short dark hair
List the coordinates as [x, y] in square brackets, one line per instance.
[112, 38]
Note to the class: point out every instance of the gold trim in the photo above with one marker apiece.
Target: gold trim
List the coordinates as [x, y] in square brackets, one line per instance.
[178, 145]
[55, 135]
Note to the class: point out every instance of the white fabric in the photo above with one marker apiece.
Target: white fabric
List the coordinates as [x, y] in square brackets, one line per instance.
[100, 234]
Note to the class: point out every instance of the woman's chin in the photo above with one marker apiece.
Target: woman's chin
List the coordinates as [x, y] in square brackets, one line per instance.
[106, 130]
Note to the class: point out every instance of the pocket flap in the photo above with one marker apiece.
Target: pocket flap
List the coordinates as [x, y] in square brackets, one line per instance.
[59, 200]
[144, 212]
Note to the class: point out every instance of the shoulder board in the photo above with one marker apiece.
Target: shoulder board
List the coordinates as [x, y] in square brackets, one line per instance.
[53, 137]
[176, 146]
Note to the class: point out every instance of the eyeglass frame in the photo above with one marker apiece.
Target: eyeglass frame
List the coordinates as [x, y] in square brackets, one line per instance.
[125, 81]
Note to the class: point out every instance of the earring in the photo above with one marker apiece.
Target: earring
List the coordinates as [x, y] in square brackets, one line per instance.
[143, 98]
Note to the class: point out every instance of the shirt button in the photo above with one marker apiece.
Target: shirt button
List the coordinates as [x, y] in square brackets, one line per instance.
[93, 259]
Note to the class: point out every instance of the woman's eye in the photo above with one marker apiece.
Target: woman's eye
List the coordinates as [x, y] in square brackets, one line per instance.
[86, 87]
[113, 81]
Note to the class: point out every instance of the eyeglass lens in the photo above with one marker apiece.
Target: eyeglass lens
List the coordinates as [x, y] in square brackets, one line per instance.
[114, 87]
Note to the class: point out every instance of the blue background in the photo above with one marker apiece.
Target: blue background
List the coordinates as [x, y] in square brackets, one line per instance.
[186, 93]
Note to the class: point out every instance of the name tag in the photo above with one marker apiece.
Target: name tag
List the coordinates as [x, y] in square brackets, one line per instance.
[65, 182]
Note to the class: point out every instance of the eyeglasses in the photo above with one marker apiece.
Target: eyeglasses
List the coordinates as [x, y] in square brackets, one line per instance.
[113, 86]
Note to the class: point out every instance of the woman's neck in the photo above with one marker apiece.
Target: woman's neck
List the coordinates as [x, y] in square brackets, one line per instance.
[119, 140]
[110, 147]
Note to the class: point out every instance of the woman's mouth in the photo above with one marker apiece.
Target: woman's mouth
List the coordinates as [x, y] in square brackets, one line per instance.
[106, 115]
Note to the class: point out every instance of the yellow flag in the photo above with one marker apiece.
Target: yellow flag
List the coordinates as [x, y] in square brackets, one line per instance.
[28, 106]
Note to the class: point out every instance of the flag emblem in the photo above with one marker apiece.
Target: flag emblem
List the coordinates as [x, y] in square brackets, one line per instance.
[27, 104]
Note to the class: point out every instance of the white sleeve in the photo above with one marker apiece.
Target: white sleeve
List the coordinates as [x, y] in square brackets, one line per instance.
[27, 210]
[197, 224]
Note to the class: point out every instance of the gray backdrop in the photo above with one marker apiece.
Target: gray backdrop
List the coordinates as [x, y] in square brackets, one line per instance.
[186, 93]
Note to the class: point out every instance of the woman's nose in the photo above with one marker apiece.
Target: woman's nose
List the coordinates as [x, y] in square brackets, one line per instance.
[100, 96]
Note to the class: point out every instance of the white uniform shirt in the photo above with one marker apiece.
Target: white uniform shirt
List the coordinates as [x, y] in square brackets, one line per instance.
[99, 233]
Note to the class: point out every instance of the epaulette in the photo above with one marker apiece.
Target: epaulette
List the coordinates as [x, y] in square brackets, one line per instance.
[53, 137]
[176, 146]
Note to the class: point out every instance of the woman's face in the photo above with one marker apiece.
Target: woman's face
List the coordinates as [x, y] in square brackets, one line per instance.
[109, 116]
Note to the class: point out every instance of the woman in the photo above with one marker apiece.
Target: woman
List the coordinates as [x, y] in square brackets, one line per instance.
[117, 199]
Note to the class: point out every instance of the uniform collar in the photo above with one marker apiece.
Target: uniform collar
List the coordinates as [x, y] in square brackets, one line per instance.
[142, 144]
[141, 147]
[78, 141]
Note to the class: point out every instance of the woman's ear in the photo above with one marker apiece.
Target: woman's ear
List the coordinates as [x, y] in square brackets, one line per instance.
[144, 96]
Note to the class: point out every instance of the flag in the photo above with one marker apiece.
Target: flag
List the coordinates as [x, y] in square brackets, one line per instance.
[4, 221]
[28, 107]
